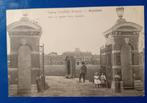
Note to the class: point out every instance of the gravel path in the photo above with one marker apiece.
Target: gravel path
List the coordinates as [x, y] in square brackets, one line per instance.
[60, 86]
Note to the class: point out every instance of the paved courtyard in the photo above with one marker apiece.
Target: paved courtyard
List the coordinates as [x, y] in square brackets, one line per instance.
[60, 86]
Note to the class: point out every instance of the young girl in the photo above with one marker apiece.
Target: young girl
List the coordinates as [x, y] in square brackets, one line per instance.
[97, 81]
[103, 80]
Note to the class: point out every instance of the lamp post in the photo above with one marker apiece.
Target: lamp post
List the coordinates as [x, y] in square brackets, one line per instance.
[120, 12]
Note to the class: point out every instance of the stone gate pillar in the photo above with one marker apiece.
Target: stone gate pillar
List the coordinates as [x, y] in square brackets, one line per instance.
[124, 41]
[24, 52]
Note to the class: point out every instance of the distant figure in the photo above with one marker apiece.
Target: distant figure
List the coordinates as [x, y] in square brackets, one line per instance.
[97, 81]
[103, 80]
[83, 71]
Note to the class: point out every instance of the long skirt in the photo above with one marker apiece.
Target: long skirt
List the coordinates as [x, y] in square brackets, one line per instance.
[97, 81]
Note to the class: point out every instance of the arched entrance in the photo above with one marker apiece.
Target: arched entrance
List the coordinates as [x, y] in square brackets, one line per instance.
[126, 62]
[24, 70]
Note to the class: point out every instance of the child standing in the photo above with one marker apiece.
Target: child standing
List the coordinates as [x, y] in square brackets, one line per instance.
[97, 81]
[103, 80]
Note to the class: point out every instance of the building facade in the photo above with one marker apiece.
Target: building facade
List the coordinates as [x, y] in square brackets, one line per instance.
[54, 59]
[80, 56]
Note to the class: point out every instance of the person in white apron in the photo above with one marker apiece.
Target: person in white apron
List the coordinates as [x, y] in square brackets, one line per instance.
[97, 81]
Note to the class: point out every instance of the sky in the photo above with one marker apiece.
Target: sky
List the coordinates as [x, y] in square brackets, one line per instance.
[64, 29]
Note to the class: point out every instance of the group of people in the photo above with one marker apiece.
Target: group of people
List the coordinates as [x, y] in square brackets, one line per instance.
[99, 80]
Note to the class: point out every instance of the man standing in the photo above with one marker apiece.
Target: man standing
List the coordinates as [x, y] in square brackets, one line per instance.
[83, 71]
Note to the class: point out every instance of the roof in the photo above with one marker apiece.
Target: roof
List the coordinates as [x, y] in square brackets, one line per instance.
[123, 25]
[24, 24]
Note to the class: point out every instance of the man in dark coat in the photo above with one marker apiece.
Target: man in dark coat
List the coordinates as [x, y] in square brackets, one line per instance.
[83, 71]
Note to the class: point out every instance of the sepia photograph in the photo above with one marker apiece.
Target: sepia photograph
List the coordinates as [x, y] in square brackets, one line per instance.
[76, 52]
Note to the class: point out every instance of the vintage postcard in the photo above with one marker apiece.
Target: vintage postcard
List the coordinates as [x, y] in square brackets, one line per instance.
[74, 52]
